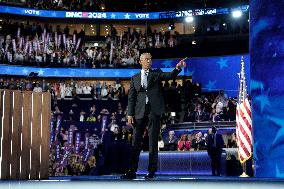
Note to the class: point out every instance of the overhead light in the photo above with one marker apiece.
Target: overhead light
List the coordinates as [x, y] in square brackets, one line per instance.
[106, 29]
[91, 26]
[106, 26]
[189, 19]
[103, 7]
[107, 32]
[237, 13]
[1, 20]
[96, 44]
[193, 42]
[172, 26]
[92, 29]
[248, 20]
[224, 24]
[93, 32]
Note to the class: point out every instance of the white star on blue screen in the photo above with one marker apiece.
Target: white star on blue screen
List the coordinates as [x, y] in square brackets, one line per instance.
[8, 70]
[167, 63]
[127, 16]
[211, 85]
[53, 14]
[222, 63]
[112, 15]
[56, 72]
[190, 73]
[278, 173]
[116, 73]
[155, 15]
[72, 73]
[274, 55]
[259, 26]
[254, 85]
[102, 73]
[25, 71]
[132, 73]
[263, 99]
[87, 73]
[280, 133]
[40, 72]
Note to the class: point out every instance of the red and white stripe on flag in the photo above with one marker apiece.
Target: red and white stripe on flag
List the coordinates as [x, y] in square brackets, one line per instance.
[244, 130]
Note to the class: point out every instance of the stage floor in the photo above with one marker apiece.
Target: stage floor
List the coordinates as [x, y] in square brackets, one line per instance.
[161, 181]
[196, 178]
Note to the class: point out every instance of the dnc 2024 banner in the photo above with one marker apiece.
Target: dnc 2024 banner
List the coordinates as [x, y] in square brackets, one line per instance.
[118, 15]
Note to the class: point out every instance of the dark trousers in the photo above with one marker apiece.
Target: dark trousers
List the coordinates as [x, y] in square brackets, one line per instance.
[153, 122]
[216, 162]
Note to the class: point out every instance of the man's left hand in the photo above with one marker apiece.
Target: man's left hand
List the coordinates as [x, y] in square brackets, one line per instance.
[181, 63]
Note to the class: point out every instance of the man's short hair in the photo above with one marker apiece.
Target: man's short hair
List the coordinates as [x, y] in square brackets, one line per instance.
[145, 54]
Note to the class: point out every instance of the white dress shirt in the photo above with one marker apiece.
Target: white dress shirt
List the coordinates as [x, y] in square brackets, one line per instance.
[144, 82]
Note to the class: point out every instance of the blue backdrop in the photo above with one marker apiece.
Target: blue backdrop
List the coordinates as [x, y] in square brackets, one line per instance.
[213, 73]
[267, 50]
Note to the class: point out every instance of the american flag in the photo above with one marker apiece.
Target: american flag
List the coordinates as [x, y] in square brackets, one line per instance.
[243, 120]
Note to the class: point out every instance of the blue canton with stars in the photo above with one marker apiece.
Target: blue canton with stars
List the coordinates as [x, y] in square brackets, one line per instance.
[267, 91]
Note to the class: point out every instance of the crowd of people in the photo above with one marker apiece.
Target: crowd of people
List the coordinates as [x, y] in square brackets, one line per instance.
[195, 141]
[98, 90]
[93, 137]
[34, 44]
[186, 100]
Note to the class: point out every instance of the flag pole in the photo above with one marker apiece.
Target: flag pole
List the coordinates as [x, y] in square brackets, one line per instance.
[244, 174]
[244, 168]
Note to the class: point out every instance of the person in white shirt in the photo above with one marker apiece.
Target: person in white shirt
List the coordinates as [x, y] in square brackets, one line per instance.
[87, 89]
[68, 91]
[104, 91]
[79, 88]
[82, 116]
[37, 88]
[62, 90]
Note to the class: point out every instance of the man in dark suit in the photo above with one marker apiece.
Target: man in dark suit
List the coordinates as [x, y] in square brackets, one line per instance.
[146, 105]
[171, 142]
[215, 147]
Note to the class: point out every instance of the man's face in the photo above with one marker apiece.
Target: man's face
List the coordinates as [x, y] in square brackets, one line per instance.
[146, 61]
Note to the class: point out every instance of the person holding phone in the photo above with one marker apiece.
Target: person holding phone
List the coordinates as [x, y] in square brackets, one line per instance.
[145, 107]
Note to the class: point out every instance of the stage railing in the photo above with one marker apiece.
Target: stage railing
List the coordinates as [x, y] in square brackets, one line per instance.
[202, 125]
[24, 122]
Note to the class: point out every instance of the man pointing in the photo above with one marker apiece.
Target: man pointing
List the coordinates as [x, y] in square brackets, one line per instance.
[145, 107]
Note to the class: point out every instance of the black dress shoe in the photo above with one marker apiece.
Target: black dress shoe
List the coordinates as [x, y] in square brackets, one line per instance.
[150, 175]
[128, 175]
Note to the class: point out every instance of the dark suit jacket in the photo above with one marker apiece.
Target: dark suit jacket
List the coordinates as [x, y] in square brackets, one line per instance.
[137, 94]
[219, 144]
[201, 117]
